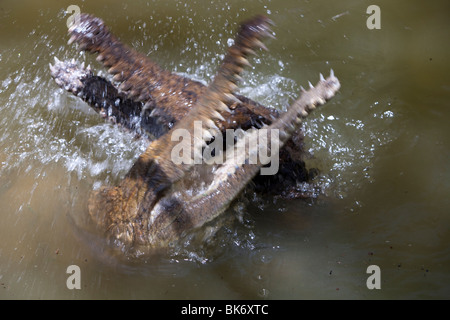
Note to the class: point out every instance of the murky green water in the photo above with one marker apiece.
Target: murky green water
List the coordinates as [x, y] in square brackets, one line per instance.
[382, 146]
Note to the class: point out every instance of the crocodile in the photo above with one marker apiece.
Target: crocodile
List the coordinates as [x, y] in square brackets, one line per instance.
[161, 199]
[151, 114]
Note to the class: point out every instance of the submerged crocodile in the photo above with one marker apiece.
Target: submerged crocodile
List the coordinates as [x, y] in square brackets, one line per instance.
[160, 199]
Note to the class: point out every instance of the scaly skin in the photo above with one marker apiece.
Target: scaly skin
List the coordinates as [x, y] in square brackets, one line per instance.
[166, 94]
[106, 100]
[145, 80]
[159, 200]
[111, 104]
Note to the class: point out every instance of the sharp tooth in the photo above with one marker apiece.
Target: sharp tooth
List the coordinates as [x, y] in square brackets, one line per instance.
[303, 89]
[81, 46]
[153, 112]
[268, 34]
[237, 69]
[310, 85]
[223, 107]
[312, 105]
[210, 124]
[217, 115]
[232, 86]
[259, 44]
[71, 40]
[232, 98]
[331, 73]
[237, 78]
[57, 60]
[248, 51]
[133, 93]
[207, 135]
[283, 134]
[113, 70]
[243, 61]
[142, 97]
[147, 105]
[52, 68]
[125, 86]
[322, 78]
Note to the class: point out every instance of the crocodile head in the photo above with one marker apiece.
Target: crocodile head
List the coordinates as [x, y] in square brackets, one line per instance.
[162, 197]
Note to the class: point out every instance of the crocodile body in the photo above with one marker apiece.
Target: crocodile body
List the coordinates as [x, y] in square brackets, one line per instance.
[160, 199]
